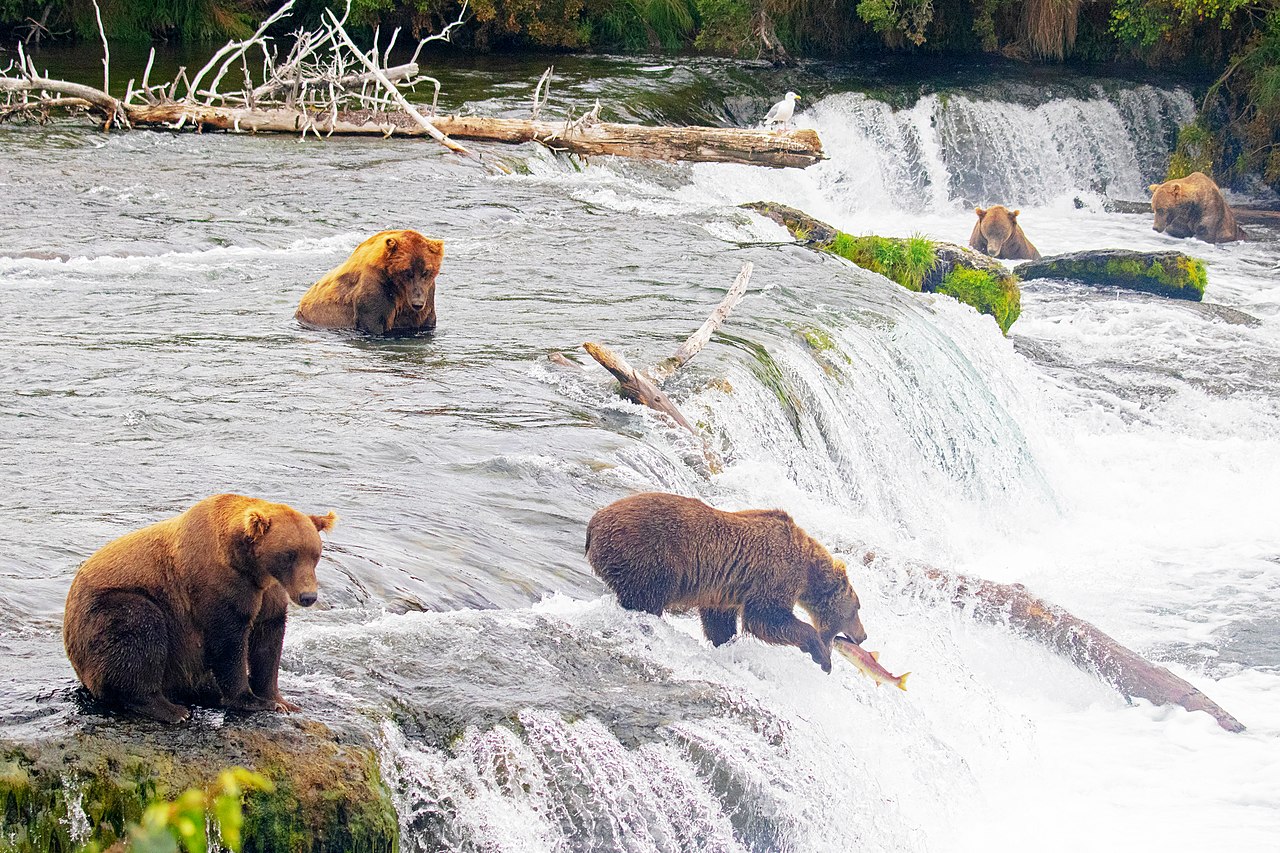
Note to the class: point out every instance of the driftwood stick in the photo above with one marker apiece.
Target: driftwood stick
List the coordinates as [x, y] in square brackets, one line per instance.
[699, 339]
[106, 50]
[635, 386]
[395, 93]
[1084, 644]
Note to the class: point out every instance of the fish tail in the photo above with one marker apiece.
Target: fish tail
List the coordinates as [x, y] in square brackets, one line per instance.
[902, 681]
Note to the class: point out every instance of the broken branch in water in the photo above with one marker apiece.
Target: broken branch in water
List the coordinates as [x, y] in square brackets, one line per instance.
[642, 388]
[1081, 642]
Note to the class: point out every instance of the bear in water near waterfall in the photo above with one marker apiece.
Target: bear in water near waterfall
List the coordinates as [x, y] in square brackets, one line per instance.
[998, 234]
[663, 552]
[192, 609]
[1194, 207]
[387, 286]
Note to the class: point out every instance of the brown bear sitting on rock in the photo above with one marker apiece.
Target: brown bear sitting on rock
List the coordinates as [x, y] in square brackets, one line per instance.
[387, 286]
[998, 234]
[1194, 207]
[192, 609]
[665, 552]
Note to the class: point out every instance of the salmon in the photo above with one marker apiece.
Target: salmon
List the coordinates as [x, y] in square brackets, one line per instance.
[868, 663]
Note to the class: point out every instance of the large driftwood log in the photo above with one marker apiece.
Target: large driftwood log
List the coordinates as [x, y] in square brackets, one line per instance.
[797, 148]
[1084, 644]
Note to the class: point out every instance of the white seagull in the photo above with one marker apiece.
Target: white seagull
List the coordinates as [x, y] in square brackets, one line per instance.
[782, 111]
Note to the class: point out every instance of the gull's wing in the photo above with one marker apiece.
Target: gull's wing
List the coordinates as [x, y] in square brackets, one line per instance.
[773, 112]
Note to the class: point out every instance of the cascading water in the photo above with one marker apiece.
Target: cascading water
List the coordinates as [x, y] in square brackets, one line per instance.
[522, 709]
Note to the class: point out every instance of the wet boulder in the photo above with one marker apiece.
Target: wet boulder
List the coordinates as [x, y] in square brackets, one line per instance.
[92, 782]
[917, 263]
[1167, 273]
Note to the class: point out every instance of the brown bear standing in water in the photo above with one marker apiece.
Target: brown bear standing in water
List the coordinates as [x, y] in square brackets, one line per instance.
[387, 286]
[998, 234]
[1194, 207]
[192, 609]
[665, 552]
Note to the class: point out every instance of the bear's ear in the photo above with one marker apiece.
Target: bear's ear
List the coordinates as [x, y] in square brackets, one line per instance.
[392, 242]
[435, 247]
[324, 522]
[1015, 213]
[839, 565]
[981, 213]
[1153, 188]
[256, 524]
[1176, 190]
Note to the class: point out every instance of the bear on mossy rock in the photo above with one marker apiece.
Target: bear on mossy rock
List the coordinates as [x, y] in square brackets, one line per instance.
[998, 234]
[663, 552]
[387, 286]
[192, 609]
[1194, 207]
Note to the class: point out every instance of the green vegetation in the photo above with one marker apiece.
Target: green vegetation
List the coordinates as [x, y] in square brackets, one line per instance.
[1238, 130]
[182, 825]
[122, 783]
[998, 296]
[906, 261]
[914, 262]
[1170, 273]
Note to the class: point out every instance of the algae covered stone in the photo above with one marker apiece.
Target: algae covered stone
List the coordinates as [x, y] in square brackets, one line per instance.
[61, 791]
[1167, 273]
[916, 262]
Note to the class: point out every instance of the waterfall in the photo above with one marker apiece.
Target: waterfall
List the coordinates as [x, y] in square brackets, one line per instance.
[963, 148]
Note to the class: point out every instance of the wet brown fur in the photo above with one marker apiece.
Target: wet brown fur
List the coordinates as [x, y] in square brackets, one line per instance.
[663, 552]
[192, 609]
[998, 234]
[387, 286]
[1194, 207]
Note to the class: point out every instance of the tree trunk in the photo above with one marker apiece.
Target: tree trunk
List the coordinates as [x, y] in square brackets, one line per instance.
[1083, 644]
[796, 148]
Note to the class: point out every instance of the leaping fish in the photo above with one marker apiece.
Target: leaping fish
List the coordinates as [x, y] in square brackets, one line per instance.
[868, 663]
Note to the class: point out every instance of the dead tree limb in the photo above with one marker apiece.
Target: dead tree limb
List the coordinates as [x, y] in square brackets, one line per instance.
[393, 92]
[635, 386]
[1084, 644]
[642, 388]
[699, 339]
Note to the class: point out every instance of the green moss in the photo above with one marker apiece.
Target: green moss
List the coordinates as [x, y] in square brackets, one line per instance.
[817, 339]
[328, 795]
[997, 296]
[906, 261]
[1170, 274]
[1197, 150]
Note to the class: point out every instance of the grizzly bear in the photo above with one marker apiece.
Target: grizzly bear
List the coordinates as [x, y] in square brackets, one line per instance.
[663, 552]
[387, 286]
[1194, 207]
[192, 609]
[998, 234]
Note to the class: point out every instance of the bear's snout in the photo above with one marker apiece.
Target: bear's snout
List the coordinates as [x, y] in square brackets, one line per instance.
[306, 599]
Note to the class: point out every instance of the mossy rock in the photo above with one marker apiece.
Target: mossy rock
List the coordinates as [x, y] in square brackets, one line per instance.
[915, 262]
[328, 797]
[1168, 273]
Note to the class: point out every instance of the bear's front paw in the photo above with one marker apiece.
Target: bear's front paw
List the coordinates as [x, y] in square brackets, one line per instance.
[284, 706]
[249, 702]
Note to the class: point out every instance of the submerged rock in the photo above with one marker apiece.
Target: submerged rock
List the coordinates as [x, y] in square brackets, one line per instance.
[1169, 273]
[917, 263]
[61, 791]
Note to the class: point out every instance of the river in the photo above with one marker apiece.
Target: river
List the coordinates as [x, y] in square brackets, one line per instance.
[1117, 453]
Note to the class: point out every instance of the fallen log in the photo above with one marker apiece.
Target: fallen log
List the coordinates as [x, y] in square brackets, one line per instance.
[1168, 273]
[916, 263]
[796, 148]
[1084, 644]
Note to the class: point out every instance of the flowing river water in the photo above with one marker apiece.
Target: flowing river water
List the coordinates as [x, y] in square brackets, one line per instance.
[1117, 453]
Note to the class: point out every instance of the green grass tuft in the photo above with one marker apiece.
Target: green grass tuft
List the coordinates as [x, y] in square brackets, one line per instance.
[997, 296]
